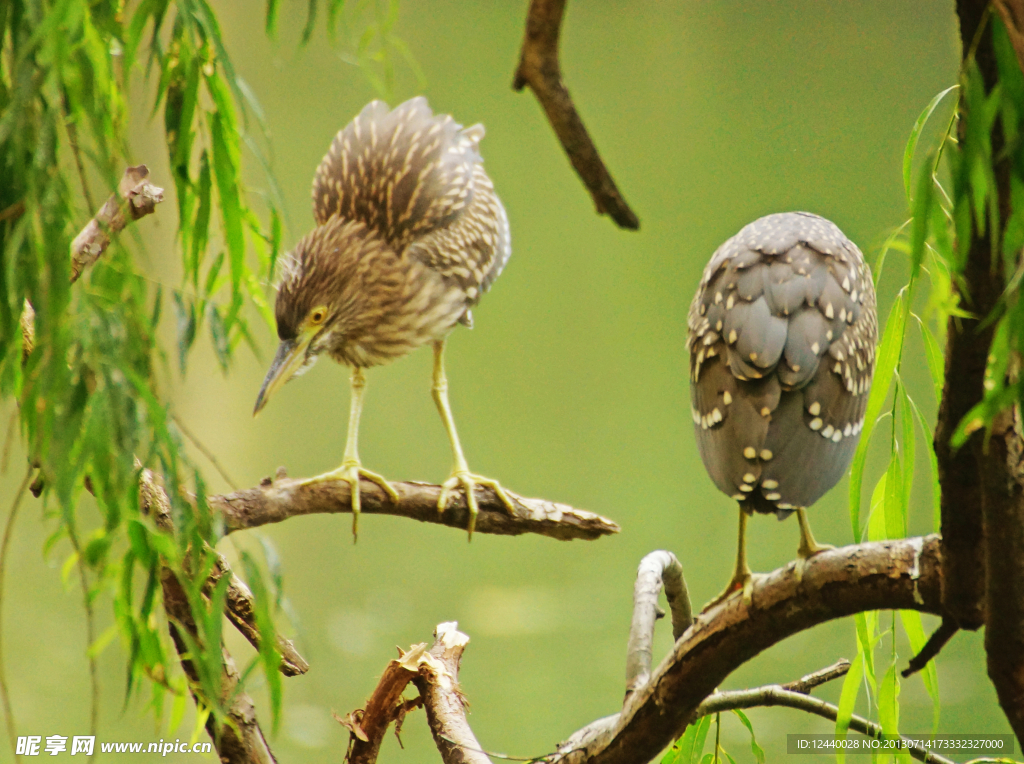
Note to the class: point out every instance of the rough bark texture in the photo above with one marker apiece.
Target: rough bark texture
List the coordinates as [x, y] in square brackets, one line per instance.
[242, 741]
[1004, 591]
[438, 683]
[982, 495]
[240, 608]
[135, 198]
[961, 472]
[386, 705]
[276, 500]
[886, 575]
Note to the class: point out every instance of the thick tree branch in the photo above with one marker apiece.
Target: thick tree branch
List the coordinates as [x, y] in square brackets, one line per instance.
[983, 526]
[275, 500]
[436, 675]
[1004, 569]
[901, 574]
[240, 607]
[777, 695]
[539, 68]
[962, 472]
[136, 197]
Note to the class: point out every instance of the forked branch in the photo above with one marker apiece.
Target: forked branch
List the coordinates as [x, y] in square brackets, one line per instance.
[885, 575]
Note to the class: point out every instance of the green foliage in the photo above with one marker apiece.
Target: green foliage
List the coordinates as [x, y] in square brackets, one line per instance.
[689, 748]
[941, 226]
[365, 30]
[992, 135]
[91, 408]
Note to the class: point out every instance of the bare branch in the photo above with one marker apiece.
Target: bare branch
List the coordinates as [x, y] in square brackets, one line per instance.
[777, 695]
[276, 500]
[902, 574]
[138, 198]
[241, 611]
[932, 647]
[805, 684]
[655, 569]
[539, 68]
[438, 683]
[386, 705]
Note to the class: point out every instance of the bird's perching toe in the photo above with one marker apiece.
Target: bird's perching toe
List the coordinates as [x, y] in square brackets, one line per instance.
[742, 581]
[353, 473]
[468, 482]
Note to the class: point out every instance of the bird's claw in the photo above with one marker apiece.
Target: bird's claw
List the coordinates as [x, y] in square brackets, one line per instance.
[468, 481]
[352, 473]
[740, 583]
[804, 554]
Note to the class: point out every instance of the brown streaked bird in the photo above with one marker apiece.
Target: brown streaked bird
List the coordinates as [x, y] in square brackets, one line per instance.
[782, 335]
[409, 235]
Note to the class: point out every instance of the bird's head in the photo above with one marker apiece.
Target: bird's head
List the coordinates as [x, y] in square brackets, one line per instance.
[315, 299]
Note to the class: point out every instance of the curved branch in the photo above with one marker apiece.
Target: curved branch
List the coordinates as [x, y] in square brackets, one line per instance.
[776, 695]
[657, 569]
[539, 68]
[902, 574]
[275, 500]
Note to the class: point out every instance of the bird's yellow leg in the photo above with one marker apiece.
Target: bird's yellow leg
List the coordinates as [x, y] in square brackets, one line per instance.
[461, 476]
[808, 546]
[351, 469]
[742, 578]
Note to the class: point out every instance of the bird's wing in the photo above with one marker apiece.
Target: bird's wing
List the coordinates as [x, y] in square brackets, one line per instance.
[474, 248]
[404, 172]
[785, 317]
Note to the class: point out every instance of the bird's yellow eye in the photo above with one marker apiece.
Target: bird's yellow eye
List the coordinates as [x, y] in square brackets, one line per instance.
[317, 316]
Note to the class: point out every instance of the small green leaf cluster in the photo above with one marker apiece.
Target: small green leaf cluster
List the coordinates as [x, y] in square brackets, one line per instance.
[82, 361]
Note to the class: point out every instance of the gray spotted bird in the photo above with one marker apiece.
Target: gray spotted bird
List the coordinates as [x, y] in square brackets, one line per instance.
[782, 335]
[409, 235]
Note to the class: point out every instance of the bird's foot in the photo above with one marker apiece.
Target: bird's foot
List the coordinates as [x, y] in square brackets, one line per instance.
[468, 481]
[804, 554]
[741, 582]
[352, 472]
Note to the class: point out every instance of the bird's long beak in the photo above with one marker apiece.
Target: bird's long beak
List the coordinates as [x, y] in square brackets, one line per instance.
[290, 356]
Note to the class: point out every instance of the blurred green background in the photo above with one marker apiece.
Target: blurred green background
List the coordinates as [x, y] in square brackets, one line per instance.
[572, 386]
